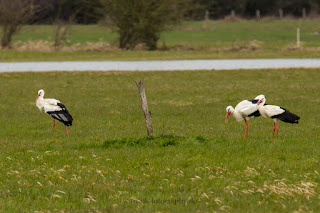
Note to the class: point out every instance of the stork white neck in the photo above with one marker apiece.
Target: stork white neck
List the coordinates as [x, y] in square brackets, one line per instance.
[40, 99]
[230, 109]
[261, 102]
[260, 106]
[234, 113]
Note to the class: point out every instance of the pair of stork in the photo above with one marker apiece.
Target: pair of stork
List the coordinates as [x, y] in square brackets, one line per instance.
[247, 109]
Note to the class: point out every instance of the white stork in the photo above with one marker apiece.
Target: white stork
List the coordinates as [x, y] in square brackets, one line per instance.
[276, 112]
[244, 110]
[55, 109]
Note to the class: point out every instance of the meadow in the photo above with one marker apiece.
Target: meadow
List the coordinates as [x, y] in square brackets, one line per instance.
[190, 40]
[193, 162]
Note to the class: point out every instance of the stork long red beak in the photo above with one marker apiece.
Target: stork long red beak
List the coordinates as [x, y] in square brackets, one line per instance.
[227, 116]
[259, 102]
[37, 97]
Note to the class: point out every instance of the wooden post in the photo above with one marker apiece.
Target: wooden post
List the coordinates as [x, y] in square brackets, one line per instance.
[280, 13]
[206, 15]
[304, 13]
[298, 37]
[258, 14]
[233, 14]
[144, 105]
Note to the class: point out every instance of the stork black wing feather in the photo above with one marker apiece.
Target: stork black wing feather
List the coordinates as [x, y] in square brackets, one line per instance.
[287, 117]
[254, 101]
[63, 115]
[255, 114]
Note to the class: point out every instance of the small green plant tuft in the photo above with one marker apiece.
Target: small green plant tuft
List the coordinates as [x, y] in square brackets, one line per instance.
[201, 139]
[160, 141]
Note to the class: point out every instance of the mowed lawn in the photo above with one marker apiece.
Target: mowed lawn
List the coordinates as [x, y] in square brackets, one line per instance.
[190, 40]
[194, 162]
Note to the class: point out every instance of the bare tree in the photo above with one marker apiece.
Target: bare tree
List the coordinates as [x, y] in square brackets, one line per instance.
[63, 22]
[61, 32]
[141, 21]
[14, 14]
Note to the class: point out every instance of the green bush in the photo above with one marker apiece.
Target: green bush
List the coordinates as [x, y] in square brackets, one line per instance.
[141, 21]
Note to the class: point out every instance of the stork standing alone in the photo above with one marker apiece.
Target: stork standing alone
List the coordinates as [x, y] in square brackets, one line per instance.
[276, 112]
[55, 109]
[244, 110]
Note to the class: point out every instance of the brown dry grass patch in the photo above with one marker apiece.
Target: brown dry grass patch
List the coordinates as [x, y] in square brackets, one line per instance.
[47, 46]
[236, 46]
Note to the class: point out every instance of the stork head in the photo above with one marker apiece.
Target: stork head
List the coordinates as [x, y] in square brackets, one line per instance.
[229, 110]
[40, 94]
[261, 100]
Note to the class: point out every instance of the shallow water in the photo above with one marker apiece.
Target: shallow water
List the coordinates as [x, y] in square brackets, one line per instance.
[225, 64]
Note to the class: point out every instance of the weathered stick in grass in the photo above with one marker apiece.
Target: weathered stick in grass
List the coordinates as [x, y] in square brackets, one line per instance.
[233, 14]
[304, 13]
[298, 37]
[258, 14]
[144, 105]
[206, 15]
[280, 13]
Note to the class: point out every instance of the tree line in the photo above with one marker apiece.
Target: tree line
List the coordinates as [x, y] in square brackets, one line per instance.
[136, 21]
[247, 8]
[92, 11]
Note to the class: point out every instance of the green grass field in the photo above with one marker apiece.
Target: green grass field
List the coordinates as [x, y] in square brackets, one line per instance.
[190, 40]
[194, 162]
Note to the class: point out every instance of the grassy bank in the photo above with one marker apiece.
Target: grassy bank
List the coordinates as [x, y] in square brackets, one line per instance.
[194, 162]
[190, 40]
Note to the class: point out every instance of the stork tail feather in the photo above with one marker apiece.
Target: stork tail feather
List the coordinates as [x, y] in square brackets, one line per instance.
[287, 117]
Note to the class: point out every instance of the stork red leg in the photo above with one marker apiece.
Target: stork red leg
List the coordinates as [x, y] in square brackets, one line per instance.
[54, 124]
[66, 129]
[246, 131]
[274, 129]
[247, 128]
[277, 130]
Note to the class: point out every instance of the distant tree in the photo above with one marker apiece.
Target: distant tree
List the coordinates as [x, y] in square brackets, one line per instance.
[141, 21]
[266, 7]
[294, 7]
[221, 8]
[13, 14]
[247, 8]
[89, 12]
[81, 11]
[198, 10]
[62, 24]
